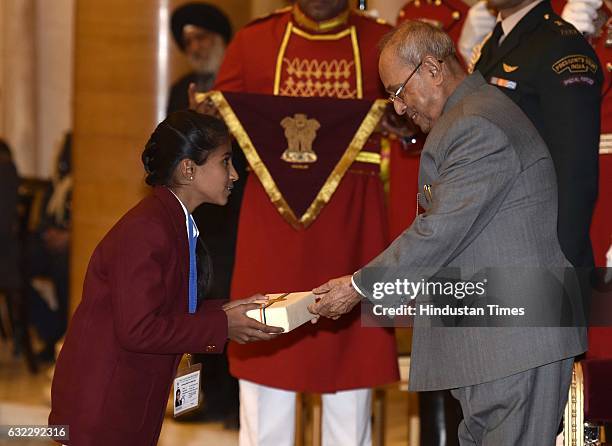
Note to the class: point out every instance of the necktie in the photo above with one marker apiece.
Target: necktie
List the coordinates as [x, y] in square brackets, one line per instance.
[193, 272]
[496, 35]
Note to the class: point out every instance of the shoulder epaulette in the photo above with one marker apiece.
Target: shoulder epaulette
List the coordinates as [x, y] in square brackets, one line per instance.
[560, 26]
[270, 14]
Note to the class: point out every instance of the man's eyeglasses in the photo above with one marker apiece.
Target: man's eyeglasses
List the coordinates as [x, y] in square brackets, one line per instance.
[394, 96]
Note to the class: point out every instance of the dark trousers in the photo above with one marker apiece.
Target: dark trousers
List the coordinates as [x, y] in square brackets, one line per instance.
[439, 415]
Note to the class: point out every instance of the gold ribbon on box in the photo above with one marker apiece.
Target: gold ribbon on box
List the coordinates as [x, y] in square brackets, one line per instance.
[358, 119]
[276, 299]
[262, 309]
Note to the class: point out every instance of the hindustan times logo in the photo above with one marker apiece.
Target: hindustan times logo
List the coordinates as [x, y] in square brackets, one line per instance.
[411, 289]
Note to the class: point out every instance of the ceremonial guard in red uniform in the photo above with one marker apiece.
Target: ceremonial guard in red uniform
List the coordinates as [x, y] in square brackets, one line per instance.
[292, 53]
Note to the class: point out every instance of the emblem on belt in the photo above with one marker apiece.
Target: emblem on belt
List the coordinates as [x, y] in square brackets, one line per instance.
[300, 132]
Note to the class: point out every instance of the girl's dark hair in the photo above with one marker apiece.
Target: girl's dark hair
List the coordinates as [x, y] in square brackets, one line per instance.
[184, 134]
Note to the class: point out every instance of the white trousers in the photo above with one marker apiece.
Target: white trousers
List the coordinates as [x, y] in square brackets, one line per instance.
[267, 416]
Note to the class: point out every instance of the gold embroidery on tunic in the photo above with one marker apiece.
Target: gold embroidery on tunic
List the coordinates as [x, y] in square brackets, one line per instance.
[312, 77]
[312, 87]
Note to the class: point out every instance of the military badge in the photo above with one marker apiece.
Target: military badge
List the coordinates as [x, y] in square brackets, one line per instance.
[574, 63]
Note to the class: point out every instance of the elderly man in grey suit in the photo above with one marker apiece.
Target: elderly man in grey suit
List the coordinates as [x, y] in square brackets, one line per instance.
[490, 200]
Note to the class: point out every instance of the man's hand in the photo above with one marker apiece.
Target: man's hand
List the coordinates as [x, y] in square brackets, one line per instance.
[243, 329]
[206, 107]
[335, 298]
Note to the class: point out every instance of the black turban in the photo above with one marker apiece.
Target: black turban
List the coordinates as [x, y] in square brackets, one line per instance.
[202, 15]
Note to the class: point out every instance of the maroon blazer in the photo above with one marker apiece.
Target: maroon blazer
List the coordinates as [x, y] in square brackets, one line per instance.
[124, 343]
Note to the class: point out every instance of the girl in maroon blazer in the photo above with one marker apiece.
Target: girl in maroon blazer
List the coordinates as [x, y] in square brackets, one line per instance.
[139, 310]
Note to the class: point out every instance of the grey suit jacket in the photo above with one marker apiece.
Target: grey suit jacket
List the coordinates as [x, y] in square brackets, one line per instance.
[493, 203]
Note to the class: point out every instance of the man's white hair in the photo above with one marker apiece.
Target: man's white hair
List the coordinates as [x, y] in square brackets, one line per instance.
[414, 39]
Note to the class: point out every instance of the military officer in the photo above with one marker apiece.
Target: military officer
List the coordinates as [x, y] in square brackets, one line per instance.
[549, 69]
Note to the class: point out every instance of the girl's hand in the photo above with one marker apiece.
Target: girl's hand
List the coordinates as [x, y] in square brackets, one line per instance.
[243, 329]
[256, 298]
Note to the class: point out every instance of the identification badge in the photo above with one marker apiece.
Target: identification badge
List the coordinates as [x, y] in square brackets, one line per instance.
[187, 395]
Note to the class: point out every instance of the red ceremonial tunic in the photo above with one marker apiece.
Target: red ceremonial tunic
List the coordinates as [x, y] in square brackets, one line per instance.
[276, 55]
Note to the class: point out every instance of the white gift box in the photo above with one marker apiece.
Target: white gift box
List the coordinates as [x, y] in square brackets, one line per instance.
[286, 310]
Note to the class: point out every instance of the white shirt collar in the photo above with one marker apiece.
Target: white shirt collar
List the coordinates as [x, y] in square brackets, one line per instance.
[196, 231]
[512, 20]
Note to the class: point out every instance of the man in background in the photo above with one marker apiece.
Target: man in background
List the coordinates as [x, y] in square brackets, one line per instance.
[587, 16]
[202, 32]
[48, 250]
[550, 71]
[527, 53]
